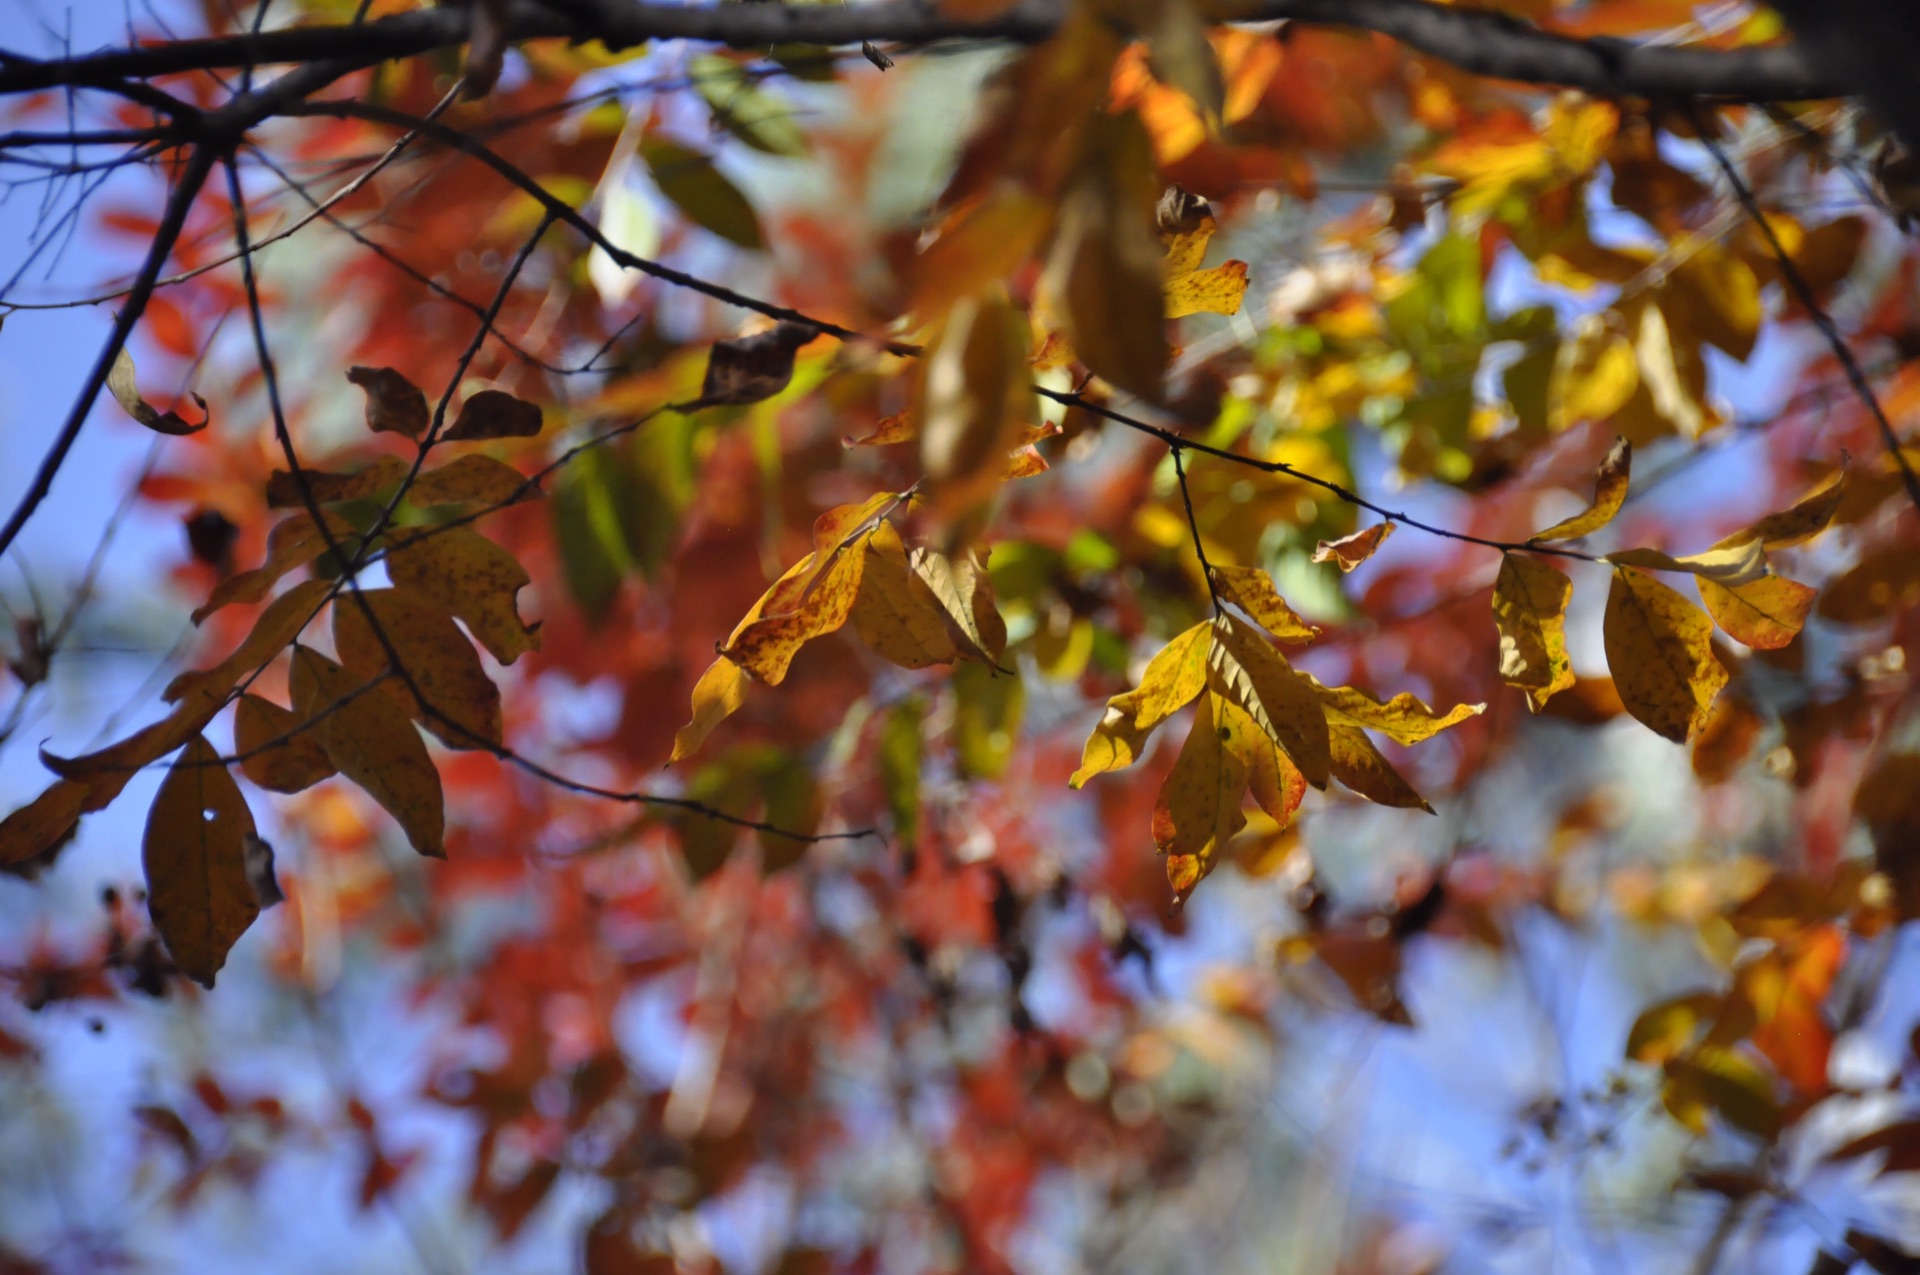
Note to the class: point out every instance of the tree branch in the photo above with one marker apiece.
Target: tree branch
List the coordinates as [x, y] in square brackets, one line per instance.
[1478, 41]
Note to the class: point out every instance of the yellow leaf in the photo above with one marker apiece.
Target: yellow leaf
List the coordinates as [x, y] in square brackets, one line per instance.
[990, 240]
[1275, 782]
[284, 490]
[965, 593]
[274, 751]
[1659, 651]
[435, 656]
[1580, 130]
[279, 623]
[370, 740]
[974, 396]
[1714, 295]
[1766, 614]
[1216, 291]
[719, 693]
[1594, 374]
[394, 404]
[1186, 226]
[1733, 564]
[472, 578]
[1252, 675]
[1198, 809]
[1609, 493]
[1172, 678]
[766, 647]
[294, 542]
[898, 428]
[1350, 551]
[1530, 609]
[894, 613]
[470, 480]
[1104, 267]
[1801, 521]
[1668, 389]
[1359, 765]
[1252, 590]
[194, 854]
[1403, 719]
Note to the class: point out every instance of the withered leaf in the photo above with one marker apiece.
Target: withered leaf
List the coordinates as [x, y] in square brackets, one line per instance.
[473, 579]
[494, 414]
[395, 405]
[1252, 590]
[471, 480]
[462, 703]
[294, 542]
[749, 369]
[284, 489]
[194, 855]
[1359, 765]
[126, 392]
[1350, 551]
[279, 623]
[766, 647]
[274, 751]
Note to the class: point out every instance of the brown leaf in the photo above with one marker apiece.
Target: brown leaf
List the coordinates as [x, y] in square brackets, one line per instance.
[471, 577]
[1530, 610]
[1801, 521]
[749, 369]
[195, 859]
[371, 741]
[44, 822]
[973, 397]
[284, 491]
[1659, 649]
[1350, 551]
[395, 405]
[435, 656]
[278, 624]
[274, 752]
[1885, 582]
[494, 414]
[1609, 493]
[126, 392]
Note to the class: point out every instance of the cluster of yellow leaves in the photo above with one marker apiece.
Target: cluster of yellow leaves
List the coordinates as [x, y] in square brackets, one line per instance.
[1261, 728]
[913, 606]
[401, 658]
[1658, 644]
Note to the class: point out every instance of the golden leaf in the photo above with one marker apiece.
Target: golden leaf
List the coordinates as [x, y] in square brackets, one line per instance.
[1734, 564]
[194, 854]
[434, 655]
[719, 693]
[1216, 291]
[1766, 614]
[294, 542]
[1659, 651]
[1275, 782]
[1350, 551]
[1609, 493]
[284, 492]
[1800, 522]
[370, 740]
[1198, 809]
[274, 752]
[895, 613]
[1530, 609]
[1252, 590]
[1359, 765]
[470, 479]
[1594, 374]
[1172, 678]
[1403, 719]
[1253, 676]
[766, 647]
[965, 593]
[472, 578]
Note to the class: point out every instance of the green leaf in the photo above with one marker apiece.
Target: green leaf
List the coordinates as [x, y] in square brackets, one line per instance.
[701, 191]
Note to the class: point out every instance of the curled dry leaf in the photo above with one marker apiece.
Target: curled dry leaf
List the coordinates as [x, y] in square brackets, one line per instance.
[43, 823]
[194, 854]
[1530, 610]
[1659, 649]
[1609, 493]
[1186, 224]
[462, 705]
[275, 751]
[1253, 591]
[752, 368]
[371, 741]
[126, 392]
[395, 405]
[1172, 679]
[898, 428]
[494, 414]
[473, 579]
[1350, 551]
[1801, 521]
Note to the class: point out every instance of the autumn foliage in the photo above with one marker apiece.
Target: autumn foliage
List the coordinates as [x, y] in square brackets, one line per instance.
[864, 644]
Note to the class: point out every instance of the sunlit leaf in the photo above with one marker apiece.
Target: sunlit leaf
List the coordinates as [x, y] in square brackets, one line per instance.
[1350, 551]
[1530, 609]
[1172, 679]
[1766, 613]
[1730, 565]
[1251, 675]
[1404, 719]
[1198, 809]
[1659, 649]
[1252, 590]
[894, 613]
[126, 392]
[1609, 493]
